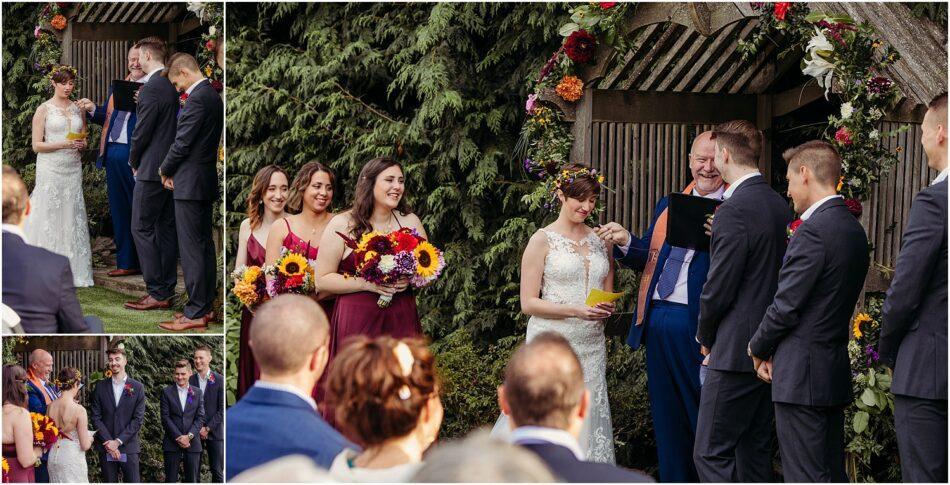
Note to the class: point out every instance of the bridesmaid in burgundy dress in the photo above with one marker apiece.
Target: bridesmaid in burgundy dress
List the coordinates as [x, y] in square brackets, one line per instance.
[378, 205]
[18, 447]
[310, 197]
[265, 204]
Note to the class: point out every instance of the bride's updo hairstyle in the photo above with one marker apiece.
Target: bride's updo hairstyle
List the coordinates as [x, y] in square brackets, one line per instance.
[379, 387]
[302, 181]
[68, 378]
[578, 182]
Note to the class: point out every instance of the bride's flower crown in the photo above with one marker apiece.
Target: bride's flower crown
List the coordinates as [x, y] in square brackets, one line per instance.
[70, 383]
[566, 177]
[63, 67]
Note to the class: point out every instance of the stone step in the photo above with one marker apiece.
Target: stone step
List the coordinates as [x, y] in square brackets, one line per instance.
[128, 285]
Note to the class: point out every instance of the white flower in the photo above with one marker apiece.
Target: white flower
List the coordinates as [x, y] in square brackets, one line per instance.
[212, 30]
[846, 110]
[387, 263]
[198, 8]
[816, 65]
[874, 134]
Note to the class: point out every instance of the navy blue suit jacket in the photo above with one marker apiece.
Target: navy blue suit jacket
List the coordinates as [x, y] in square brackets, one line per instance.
[121, 422]
[214, 405]
[636, 259]
[37, 399]
[267, 424]
[180, 422]
[563, 464]
[99, 117]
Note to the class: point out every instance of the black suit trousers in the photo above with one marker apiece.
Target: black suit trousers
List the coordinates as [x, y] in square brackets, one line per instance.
[174, 459]
[811, 442]
[734, 429]
[921, 438]
[153, 229]
[130, 469]
[194, 220]
[215, 449]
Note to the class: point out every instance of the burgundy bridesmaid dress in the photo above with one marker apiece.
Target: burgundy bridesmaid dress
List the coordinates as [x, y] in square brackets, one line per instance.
[17, 473]
[248, 371]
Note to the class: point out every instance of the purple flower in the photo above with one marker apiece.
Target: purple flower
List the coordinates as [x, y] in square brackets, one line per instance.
[530, 105]
[36, 32]
[879, 84]
[872, 354]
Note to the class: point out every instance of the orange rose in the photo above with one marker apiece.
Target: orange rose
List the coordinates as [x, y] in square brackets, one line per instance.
[571, 88]
[58, 22]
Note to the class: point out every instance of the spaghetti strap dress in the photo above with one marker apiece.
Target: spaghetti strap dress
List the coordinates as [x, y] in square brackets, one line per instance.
[248, 371]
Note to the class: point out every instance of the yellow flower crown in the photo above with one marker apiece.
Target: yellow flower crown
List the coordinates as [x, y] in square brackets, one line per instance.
[64, 67]
[567, 176]
[70, 382]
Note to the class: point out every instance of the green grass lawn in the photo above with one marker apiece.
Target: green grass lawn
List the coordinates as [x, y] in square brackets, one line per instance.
[107, 305]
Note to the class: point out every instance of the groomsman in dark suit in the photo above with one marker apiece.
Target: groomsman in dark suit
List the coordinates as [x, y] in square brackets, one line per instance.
[211, 384]
[118, 409]
[183, 416]
[153, 210]
[914, 332]
[666, 315]
[189, 170]
[801, 346]
[733, 431]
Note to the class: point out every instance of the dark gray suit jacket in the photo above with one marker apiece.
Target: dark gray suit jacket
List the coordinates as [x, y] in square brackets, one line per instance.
[914, 331]
[748, 241]
[44, 300]
[806, 328]
[121, 422]
[179, 422]
[156, 113]
[214, 405]
[193, 156]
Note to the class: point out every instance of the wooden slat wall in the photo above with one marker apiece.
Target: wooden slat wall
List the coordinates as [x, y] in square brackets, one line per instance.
[889, 203]
[99, 62]
[87, 361]
[643, 162]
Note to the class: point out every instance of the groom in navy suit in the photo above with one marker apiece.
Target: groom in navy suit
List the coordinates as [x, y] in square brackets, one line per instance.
[183, 416]
[914, 329]
[117, 412]
[666, 315]
[278, 417]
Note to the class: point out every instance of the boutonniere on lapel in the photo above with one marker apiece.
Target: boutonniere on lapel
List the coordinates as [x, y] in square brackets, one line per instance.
[210, 378]
[129, 390]
[792, 227]
[191, 396]
[182, 98]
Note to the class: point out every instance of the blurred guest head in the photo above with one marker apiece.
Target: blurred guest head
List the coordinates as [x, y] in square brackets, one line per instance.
[385, 392]
[135, 66]
[814, 169]
[702, 164]
[269, 192]
[578, 194]
[14, 386]
[288, 469]
[738, 145]
[312, 189]
[289, 338]
[479, 458]
[380, 188]
[41, 364]
[202, 357]
[151, 53]
[933, 134]
[16, 199]
[183, 71]
[544, 386]
[115, 357]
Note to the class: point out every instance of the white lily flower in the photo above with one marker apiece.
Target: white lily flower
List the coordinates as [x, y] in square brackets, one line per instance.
[212, 30]
[816, 65]
[846, 110]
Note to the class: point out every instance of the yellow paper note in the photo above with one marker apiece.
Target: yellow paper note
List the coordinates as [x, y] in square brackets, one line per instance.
[599, 296]
[75, 136]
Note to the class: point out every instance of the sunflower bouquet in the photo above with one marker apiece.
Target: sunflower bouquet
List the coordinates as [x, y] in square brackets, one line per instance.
[384, 259]
[45, 432]
[6, 471]
[292, 273]
[250, 286]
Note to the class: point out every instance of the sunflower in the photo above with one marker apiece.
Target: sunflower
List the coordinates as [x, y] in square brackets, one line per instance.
[859, 320]
[292, 264]
[108, 374]
[364, 241]
[6, 466]
[427, 259]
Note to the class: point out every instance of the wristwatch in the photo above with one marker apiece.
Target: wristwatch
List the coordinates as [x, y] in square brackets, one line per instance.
[191, 436]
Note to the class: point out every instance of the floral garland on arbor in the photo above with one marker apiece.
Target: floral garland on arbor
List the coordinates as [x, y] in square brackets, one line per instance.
[210, 13]
[48, 50]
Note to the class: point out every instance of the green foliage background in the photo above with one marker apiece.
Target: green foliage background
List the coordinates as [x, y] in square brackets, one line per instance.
[441, 87]
[151, 362]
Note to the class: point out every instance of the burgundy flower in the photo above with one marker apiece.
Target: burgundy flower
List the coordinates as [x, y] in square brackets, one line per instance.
[210, 45]
[580, 46]
[879, 84]
[217, 85]
[843, 136]
[781, 8]
[606, 5]
[792, 227]
[854, 207]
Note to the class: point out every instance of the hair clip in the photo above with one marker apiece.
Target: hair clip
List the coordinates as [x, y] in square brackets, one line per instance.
[405, 359]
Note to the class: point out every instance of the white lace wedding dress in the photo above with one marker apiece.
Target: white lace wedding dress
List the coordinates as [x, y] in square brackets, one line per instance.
[58, 220]
[67, 461]
[565, 263]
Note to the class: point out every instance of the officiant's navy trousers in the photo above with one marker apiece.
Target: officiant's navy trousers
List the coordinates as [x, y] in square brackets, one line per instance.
[119, 186]
[673, 362]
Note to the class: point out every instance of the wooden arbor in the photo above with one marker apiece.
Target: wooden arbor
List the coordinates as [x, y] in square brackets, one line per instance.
[683, 74]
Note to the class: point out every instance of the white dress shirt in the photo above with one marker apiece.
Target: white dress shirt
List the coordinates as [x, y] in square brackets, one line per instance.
[203, 380]
[183, 395]
[149, 75]
[118, 387]
[811, 210]
[735, 185]
[287, 388]
[940, 177]
[681, 290]
[527, 434]
[16, 230]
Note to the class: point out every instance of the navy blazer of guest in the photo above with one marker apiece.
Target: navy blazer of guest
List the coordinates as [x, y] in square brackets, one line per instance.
[178, 421]
[563, 464]
[213, 398]
[122, 421]
[99, 117]
[267, 424]
[636, 258]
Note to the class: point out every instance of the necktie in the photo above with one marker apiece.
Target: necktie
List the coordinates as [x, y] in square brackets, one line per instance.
[115, 131]
[671, 272]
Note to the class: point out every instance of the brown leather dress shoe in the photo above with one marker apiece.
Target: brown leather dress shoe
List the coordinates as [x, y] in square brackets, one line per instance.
[124, 272]
[149, 303]
[180, 315]
[184, 323]
[136, 302]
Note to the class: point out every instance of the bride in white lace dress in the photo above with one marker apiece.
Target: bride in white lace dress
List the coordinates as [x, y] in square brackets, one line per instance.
[67, 457]
[57, 220]
[560, 266]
